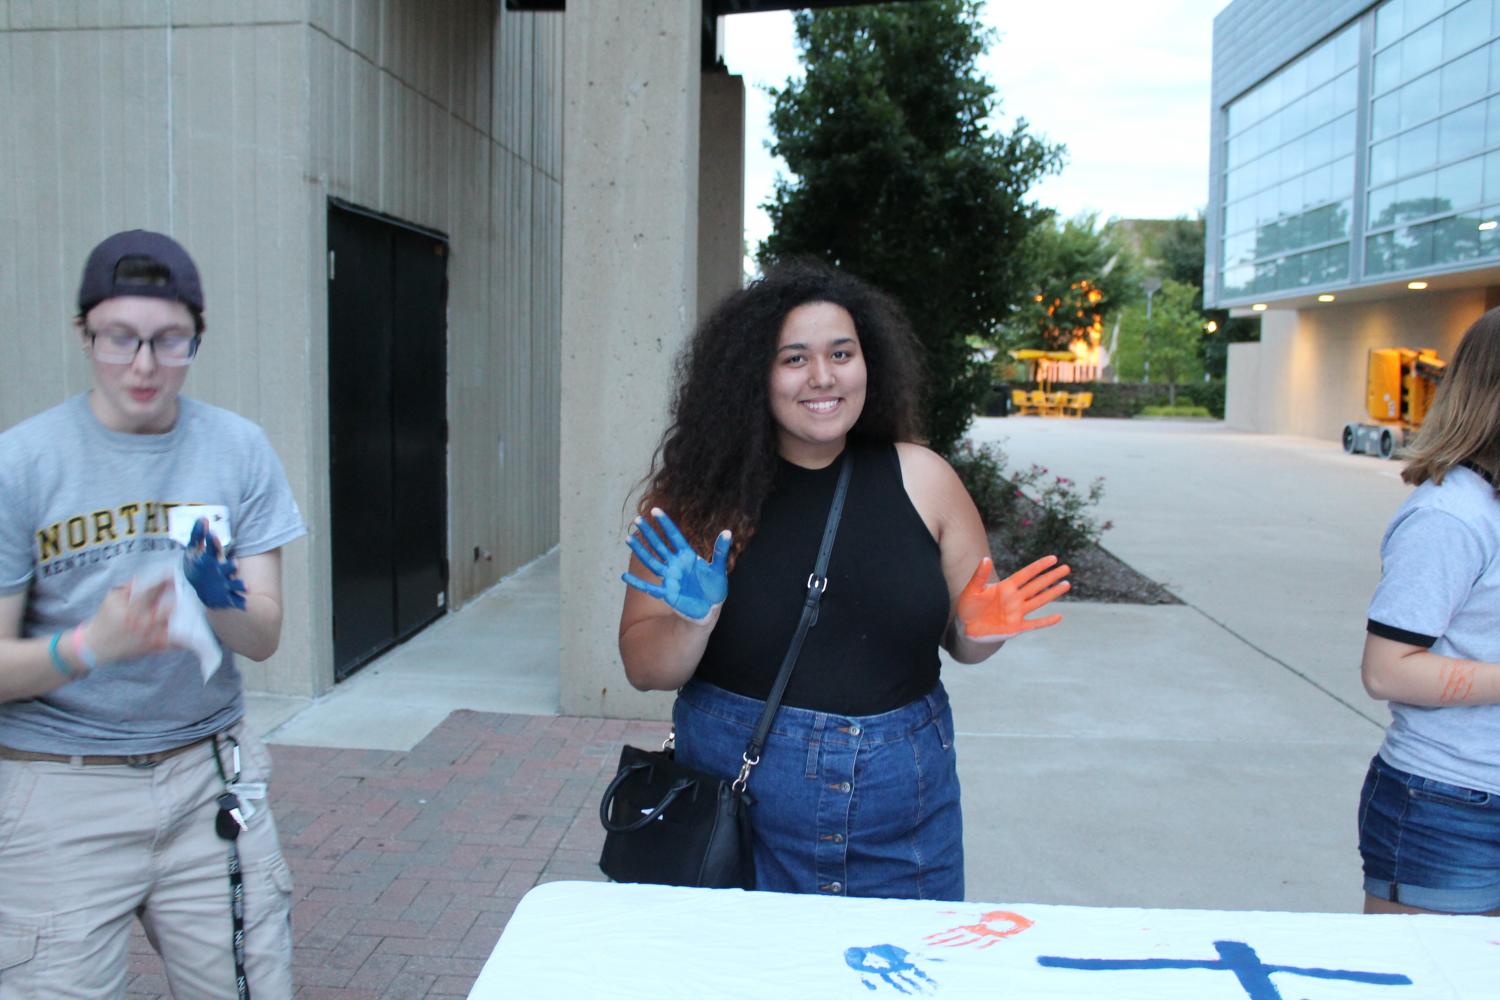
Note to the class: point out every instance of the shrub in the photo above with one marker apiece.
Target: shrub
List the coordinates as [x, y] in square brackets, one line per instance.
[1032, 514]
[1180, 410]
[981, 468]
[1059, 522]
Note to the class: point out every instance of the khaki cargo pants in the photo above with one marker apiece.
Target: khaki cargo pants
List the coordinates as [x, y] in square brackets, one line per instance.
[84, 848]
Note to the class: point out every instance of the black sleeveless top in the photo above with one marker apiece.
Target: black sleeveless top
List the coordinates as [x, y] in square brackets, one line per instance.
[875, 645]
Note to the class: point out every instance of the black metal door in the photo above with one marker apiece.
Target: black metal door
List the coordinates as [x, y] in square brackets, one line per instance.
[387, 302]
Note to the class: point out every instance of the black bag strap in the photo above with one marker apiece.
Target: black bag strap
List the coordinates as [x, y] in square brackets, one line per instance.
[817, 584]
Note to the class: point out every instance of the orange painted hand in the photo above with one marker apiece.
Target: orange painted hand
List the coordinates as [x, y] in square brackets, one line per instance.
[993, 926]
[997, 611]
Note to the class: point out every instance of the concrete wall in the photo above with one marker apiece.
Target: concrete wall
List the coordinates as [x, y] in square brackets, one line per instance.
[1307, 374]
[630, 281]
[228, 124]
[721, 189]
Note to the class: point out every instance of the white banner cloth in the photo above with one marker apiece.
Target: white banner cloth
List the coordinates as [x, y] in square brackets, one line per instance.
[603, 940]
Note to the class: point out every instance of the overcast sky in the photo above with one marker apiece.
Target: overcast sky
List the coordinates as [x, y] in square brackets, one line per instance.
[1124, 85]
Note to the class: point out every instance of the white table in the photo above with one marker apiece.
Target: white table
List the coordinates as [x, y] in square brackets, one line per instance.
[600, 940]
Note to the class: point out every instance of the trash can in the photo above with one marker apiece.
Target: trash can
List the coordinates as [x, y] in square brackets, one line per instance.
[999, 404]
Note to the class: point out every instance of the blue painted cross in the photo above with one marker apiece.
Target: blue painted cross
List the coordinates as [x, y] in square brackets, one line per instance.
[1236, 957]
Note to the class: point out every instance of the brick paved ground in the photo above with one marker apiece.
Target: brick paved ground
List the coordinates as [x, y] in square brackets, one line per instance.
[408, 865]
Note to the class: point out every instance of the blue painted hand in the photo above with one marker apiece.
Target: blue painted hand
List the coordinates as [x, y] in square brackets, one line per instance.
[212, 574]
[689, 585]
[889, 965]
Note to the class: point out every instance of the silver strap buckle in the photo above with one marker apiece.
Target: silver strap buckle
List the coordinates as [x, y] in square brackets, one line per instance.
[739, 783]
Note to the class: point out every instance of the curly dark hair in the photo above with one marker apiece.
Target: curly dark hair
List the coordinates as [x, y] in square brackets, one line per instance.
[717, 459]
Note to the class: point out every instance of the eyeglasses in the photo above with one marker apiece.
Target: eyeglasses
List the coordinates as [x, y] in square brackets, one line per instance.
[174, 348]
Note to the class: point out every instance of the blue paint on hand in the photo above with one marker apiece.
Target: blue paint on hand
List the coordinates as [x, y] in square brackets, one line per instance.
[213, 575]
[1236, 957]
[689, 585]
[888, 964]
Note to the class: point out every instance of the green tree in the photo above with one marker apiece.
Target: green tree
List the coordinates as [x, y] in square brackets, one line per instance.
[1076, 275]
[1165, 347]
[897, 178]
[1181, 253]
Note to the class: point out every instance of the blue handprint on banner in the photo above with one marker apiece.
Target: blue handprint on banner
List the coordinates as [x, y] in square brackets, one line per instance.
[886, 963]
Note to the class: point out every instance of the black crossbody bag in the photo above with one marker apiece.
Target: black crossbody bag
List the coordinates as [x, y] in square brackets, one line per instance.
[668, 824]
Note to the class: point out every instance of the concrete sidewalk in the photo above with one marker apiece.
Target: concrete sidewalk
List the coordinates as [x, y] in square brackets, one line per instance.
[1200, 755]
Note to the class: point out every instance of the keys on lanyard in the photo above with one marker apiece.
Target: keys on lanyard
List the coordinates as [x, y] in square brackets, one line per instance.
[230, 822]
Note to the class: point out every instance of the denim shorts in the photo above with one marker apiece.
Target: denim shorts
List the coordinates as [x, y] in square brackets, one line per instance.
[1429, 844]
[843, 805]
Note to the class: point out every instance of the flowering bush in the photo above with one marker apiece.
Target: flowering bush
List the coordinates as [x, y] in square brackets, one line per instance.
[1033, 513]
[1059, 521]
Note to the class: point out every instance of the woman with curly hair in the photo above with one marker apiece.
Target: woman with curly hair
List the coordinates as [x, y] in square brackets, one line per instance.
[857, 790]
[1429, 814]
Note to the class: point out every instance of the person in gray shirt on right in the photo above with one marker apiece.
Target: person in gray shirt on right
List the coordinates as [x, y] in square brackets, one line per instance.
[1429, 814]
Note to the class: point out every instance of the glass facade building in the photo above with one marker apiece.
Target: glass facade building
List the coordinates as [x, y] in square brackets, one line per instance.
[1372, 156]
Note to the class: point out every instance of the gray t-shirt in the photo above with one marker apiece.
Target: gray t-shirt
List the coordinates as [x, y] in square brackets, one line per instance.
[84, 508]
[1440, 588]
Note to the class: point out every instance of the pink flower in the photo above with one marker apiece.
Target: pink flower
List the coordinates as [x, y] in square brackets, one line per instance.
[1025, 522]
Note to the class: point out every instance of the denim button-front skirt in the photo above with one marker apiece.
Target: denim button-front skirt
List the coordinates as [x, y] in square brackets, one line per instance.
[843, 805]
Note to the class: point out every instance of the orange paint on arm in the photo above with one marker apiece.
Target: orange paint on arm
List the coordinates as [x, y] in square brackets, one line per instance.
[1458, 682]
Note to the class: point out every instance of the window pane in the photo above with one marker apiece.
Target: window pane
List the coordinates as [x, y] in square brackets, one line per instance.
[1417, 149]
[1237, 281]
[1317, 185]
[1346, 92]
[1456, 239]
[1420, 11]
[1265, 207]
[1343, 134]
[1387, 69]
[1414, 197]
[1343, 177]
[1492, 121]
[1289, 197]
[1291, 158]
[1341, 216]
[1492, 177]
[1465, 27]
[1346, 48]
[1462, 132]
[1414, 247]
[1380, 253]
[1320, 65]
[1460, 185]
[1419, 100]
[1385, 116]
[1383, 162]
[1294, 80]
[1292, 119]
[1388, 23]
[1382, 211]
[1422, 50]
[1464, 80]
[1266, 174]
[1319, 146]
[1320, 104]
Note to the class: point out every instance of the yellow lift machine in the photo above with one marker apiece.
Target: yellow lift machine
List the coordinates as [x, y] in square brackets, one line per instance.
[1400, 384]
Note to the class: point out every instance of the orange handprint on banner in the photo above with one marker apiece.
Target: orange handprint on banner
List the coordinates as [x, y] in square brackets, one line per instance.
[984, 933]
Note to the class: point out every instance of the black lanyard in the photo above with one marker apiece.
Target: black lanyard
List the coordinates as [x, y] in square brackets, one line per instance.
[228, 824]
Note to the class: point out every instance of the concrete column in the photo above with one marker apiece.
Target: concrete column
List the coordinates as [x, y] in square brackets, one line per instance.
[721, 188]
[629, 294]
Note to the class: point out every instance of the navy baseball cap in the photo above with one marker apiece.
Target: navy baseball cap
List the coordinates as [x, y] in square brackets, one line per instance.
[103, 278]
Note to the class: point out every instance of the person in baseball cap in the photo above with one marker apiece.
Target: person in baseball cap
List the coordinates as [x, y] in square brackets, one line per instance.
[131, 776]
